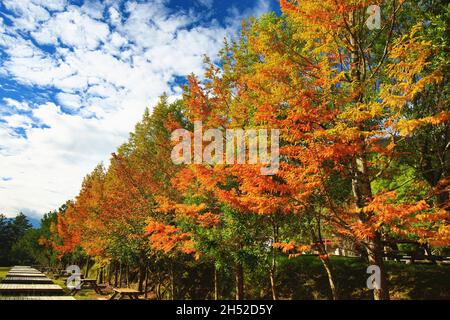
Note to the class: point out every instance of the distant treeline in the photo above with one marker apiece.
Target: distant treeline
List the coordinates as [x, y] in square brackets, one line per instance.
[20, 242]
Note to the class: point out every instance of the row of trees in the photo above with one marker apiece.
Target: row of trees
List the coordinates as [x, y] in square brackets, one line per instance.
[364, 154]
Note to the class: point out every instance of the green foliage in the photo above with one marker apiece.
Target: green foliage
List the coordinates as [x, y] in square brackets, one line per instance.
[27, 250]
[20, 243]
[11, 232]
[401, 177]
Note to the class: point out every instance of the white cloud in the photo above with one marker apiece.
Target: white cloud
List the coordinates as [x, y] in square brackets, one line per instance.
[206, 3]
[17, 121]
[74, 28]
[23, 106]
[29, 14]
[53, 5]
[71, 101]
[117, 40]
[106, 68]
[114, 16]
[94, 9]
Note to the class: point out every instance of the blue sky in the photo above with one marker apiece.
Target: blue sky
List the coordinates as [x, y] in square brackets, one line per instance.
[76, 75]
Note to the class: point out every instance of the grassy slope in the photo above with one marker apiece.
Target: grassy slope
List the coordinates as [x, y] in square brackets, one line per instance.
[305, 279]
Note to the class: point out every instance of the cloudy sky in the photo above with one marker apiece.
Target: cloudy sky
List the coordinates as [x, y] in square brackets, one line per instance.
[76, 75]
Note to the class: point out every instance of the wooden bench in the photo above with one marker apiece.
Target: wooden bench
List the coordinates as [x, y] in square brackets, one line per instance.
[22, 267]
[27, 280]
[413, 256]
[34, 289]
[121, 293]
[28, 275]
[24, 270]
[28, 270]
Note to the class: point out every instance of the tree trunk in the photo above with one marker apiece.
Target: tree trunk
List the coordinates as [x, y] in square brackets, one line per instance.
[142, 275]
[158, 290]
[120, 274]
[127, 274]
[375, 255]
[108, 275]
[172, 282]
[146, 282]
[116, 275]
[363, 193]
[360, 173]
[87, 268]
[239, 281]
[216, 284]
[329, 271]
[321, 247]
[273, 284]
[273, 269]
[429, 253]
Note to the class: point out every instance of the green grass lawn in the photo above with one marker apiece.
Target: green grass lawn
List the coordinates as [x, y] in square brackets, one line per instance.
[3, 272]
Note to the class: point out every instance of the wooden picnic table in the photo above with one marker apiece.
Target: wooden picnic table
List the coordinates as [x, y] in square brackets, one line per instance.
[125, 292]
[89, 283]
[27, 280]
[9, 288]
